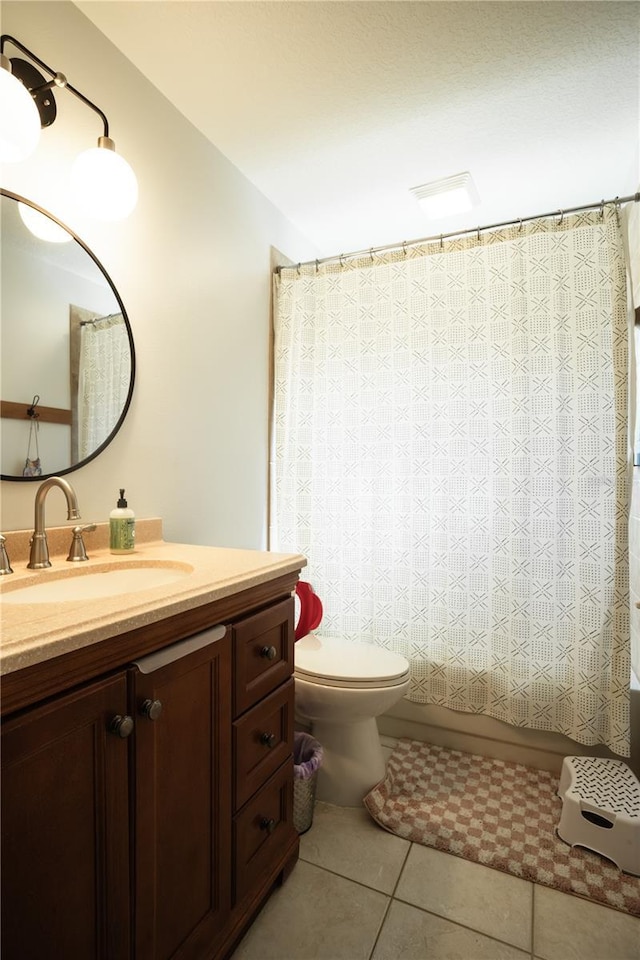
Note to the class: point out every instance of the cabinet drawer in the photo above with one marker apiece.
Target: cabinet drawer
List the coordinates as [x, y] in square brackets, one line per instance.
[263, 654]
[262, 740]
[262, 830]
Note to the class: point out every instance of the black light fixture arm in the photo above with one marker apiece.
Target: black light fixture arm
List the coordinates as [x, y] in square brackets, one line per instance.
[58, 79]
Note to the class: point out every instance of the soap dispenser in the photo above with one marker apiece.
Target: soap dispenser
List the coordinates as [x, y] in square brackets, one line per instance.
[122, 527]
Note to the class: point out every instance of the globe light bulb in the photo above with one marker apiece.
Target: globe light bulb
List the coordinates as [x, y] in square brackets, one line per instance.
[19, 117]
[42, 226]
[103, 183]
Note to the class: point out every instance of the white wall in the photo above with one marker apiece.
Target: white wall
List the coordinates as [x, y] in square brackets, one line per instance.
[192, 267]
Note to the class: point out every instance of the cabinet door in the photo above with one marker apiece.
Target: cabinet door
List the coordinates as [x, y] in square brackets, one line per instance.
[182, 805]
[65, 834]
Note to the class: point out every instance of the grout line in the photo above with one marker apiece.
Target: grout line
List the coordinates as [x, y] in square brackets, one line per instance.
[404, 863]
[440, 916]
[533, 920]
[391, 899]
[335, 873]
[382, 923]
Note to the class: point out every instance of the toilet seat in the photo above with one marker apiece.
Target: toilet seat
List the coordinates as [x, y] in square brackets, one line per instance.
[338, 663]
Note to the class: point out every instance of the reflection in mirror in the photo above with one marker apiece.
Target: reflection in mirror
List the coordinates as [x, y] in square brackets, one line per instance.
[65, 339]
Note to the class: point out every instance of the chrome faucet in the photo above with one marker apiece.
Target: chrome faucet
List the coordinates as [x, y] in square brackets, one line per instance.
[39, 556]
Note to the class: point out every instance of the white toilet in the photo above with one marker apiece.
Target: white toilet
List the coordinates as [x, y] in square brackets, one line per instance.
[342, 687]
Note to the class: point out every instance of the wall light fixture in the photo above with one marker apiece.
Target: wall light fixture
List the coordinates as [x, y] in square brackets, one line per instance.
[103, 182]
[444, 198]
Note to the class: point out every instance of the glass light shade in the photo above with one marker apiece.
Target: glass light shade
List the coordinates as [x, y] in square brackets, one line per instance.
[19, 119]
[41, 226]
[104, 185]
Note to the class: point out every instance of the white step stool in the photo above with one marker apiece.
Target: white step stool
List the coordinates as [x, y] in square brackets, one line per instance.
[601, 809]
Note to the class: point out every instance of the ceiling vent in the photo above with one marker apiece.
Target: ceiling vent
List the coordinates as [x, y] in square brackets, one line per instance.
[445, 198]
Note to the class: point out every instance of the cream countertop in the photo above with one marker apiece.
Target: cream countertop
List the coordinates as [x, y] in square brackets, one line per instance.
[33, 632]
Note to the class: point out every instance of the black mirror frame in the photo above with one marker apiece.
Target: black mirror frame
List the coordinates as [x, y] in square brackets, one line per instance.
[125, 409]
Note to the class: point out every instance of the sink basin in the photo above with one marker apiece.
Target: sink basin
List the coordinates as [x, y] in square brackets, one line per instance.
[109, 581]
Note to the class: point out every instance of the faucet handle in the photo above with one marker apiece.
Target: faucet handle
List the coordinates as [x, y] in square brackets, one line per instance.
[77, 549]
[5, 566]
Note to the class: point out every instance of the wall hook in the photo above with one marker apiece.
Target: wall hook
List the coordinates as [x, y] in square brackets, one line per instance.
[31, 411]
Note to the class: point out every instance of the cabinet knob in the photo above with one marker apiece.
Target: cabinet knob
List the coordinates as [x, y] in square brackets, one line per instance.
[151, 709]
[267, 824]
[269, 653]
[268, 739]
[121, 726]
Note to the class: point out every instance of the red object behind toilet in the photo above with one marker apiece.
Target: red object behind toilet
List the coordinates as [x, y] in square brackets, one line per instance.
[310, 609]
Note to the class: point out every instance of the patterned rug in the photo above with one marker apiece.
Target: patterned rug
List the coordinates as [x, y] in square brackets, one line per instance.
[500, 814]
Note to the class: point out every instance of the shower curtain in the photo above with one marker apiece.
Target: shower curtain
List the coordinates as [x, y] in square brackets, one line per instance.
[103, 380]
[450, 453]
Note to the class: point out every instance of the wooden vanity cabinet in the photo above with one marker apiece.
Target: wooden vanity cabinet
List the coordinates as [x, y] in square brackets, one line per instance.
[147, 813]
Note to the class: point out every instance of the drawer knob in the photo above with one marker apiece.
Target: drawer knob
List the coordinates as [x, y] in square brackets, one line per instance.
[267, 824]
[268, 739]
[269, 653]
[121, 726]
[151, 709]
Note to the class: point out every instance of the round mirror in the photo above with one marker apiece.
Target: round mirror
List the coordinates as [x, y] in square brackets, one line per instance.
[66, 347]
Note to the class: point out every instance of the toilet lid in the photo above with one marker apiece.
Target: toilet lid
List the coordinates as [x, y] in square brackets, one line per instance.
[334, 662]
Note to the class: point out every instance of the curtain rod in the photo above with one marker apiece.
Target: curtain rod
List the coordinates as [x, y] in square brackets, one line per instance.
[108, 316]
[634, 197]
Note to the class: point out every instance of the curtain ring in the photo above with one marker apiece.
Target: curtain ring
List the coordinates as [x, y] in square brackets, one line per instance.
[520, 227]
[371, 254]
[342, 259]
[617, 209]
[404, 247]
[441, 242]
[561, 212]
[478, 234]
[298, 269]
[602, 210]
[317, 266]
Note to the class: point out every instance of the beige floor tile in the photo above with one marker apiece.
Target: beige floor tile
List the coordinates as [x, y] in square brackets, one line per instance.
[347, 841]
[315, 916]
[468, 893]
[411, 934]
[568, 928]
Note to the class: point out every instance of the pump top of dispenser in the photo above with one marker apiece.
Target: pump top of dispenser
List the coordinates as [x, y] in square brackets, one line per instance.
[122, 502]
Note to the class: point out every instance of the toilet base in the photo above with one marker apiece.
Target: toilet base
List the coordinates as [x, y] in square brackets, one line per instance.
[353, 760]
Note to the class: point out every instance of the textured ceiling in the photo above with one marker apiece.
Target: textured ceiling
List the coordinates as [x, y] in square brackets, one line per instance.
[335, 109]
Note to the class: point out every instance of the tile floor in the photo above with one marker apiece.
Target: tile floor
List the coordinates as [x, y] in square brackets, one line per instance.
[360, 893]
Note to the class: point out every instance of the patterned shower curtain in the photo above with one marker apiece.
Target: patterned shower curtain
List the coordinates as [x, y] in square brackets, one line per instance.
[103, 380]
[451, 455]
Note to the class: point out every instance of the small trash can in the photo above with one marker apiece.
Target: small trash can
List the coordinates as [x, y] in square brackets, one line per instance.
[307, 760]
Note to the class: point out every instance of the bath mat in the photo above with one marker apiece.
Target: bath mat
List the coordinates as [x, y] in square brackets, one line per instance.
[503, 815]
